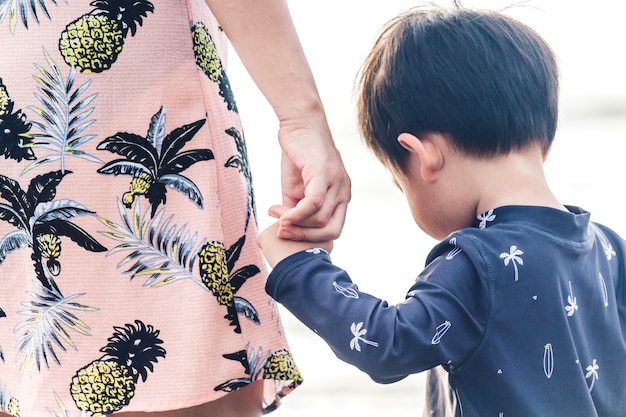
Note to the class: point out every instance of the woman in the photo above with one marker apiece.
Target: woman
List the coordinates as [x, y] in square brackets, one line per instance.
[131, 280]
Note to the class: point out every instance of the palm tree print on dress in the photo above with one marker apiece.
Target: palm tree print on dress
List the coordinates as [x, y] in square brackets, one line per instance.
[40, 222]
[358, 332]
[154, 161]
[15, 141]
[592, 372]
[159, 249]
[93, 42]
[50, 315]
[12, 8]
[208, 60]
[165, 253]
[240, 162]
[513, 257]
[65, 116]
[278, 366]
[107, 385]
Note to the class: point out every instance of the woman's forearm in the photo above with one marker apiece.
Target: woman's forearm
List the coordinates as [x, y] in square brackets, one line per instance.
[264, 37]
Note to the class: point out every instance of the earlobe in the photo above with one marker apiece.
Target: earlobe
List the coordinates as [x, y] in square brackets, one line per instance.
[428, 150]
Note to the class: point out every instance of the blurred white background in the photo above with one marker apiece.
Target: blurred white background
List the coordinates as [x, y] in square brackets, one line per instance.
[381, 247]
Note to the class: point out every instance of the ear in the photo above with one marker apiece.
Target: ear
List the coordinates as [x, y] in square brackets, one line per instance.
[429, 152]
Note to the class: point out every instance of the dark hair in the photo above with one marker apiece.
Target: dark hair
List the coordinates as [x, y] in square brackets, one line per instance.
[486, 81]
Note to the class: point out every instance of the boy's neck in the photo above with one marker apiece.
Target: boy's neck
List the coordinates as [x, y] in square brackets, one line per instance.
[515, 179]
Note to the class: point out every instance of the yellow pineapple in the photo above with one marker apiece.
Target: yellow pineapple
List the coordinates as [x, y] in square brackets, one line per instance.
[214, 272]
[13, 409]
[4, 99]
[8, 404]
[223, 279]
[208, 60]
[108, 384]
[93, 42]
[282, 367]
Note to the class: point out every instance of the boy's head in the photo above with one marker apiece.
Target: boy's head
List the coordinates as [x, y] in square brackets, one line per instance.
[485, 81]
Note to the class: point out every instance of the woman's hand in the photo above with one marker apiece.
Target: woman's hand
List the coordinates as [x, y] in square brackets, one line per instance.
[315, 185]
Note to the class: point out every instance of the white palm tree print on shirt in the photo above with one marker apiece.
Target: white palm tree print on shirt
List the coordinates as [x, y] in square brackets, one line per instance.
[513, 256]
[571, 300]
[592, 372]
[358, 331]
[454, 252]
[608, 248]
[485, 217]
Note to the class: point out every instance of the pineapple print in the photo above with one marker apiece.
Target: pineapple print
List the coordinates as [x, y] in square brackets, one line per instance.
[108, 384]
[210, 63]
[15, 141]
[278, 366]
[93, 42]
[217, 270]
[13, 408]
[4, 98]
[214, 272]
[8, 404]
[281, 367]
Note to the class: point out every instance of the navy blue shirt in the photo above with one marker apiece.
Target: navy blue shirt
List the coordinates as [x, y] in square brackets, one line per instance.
[526, 311]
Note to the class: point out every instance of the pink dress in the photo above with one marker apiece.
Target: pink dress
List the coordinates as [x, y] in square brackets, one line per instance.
[130, 279]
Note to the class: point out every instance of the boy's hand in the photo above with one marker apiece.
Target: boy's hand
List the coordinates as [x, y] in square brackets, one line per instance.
[276, 249]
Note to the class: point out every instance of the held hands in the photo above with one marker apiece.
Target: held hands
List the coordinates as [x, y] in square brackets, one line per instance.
[315, 185]
[316, 190]
[276, 249]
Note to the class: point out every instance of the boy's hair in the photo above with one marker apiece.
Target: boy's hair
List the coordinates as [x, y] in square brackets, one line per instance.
[484, 80]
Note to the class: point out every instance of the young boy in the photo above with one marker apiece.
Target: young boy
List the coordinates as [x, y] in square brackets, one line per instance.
[523, 303]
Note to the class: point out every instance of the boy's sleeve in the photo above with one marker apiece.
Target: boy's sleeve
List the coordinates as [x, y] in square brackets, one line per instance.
[434, 325]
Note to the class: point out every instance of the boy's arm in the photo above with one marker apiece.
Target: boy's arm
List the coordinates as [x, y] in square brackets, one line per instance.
[432, 326]
[276, 249]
